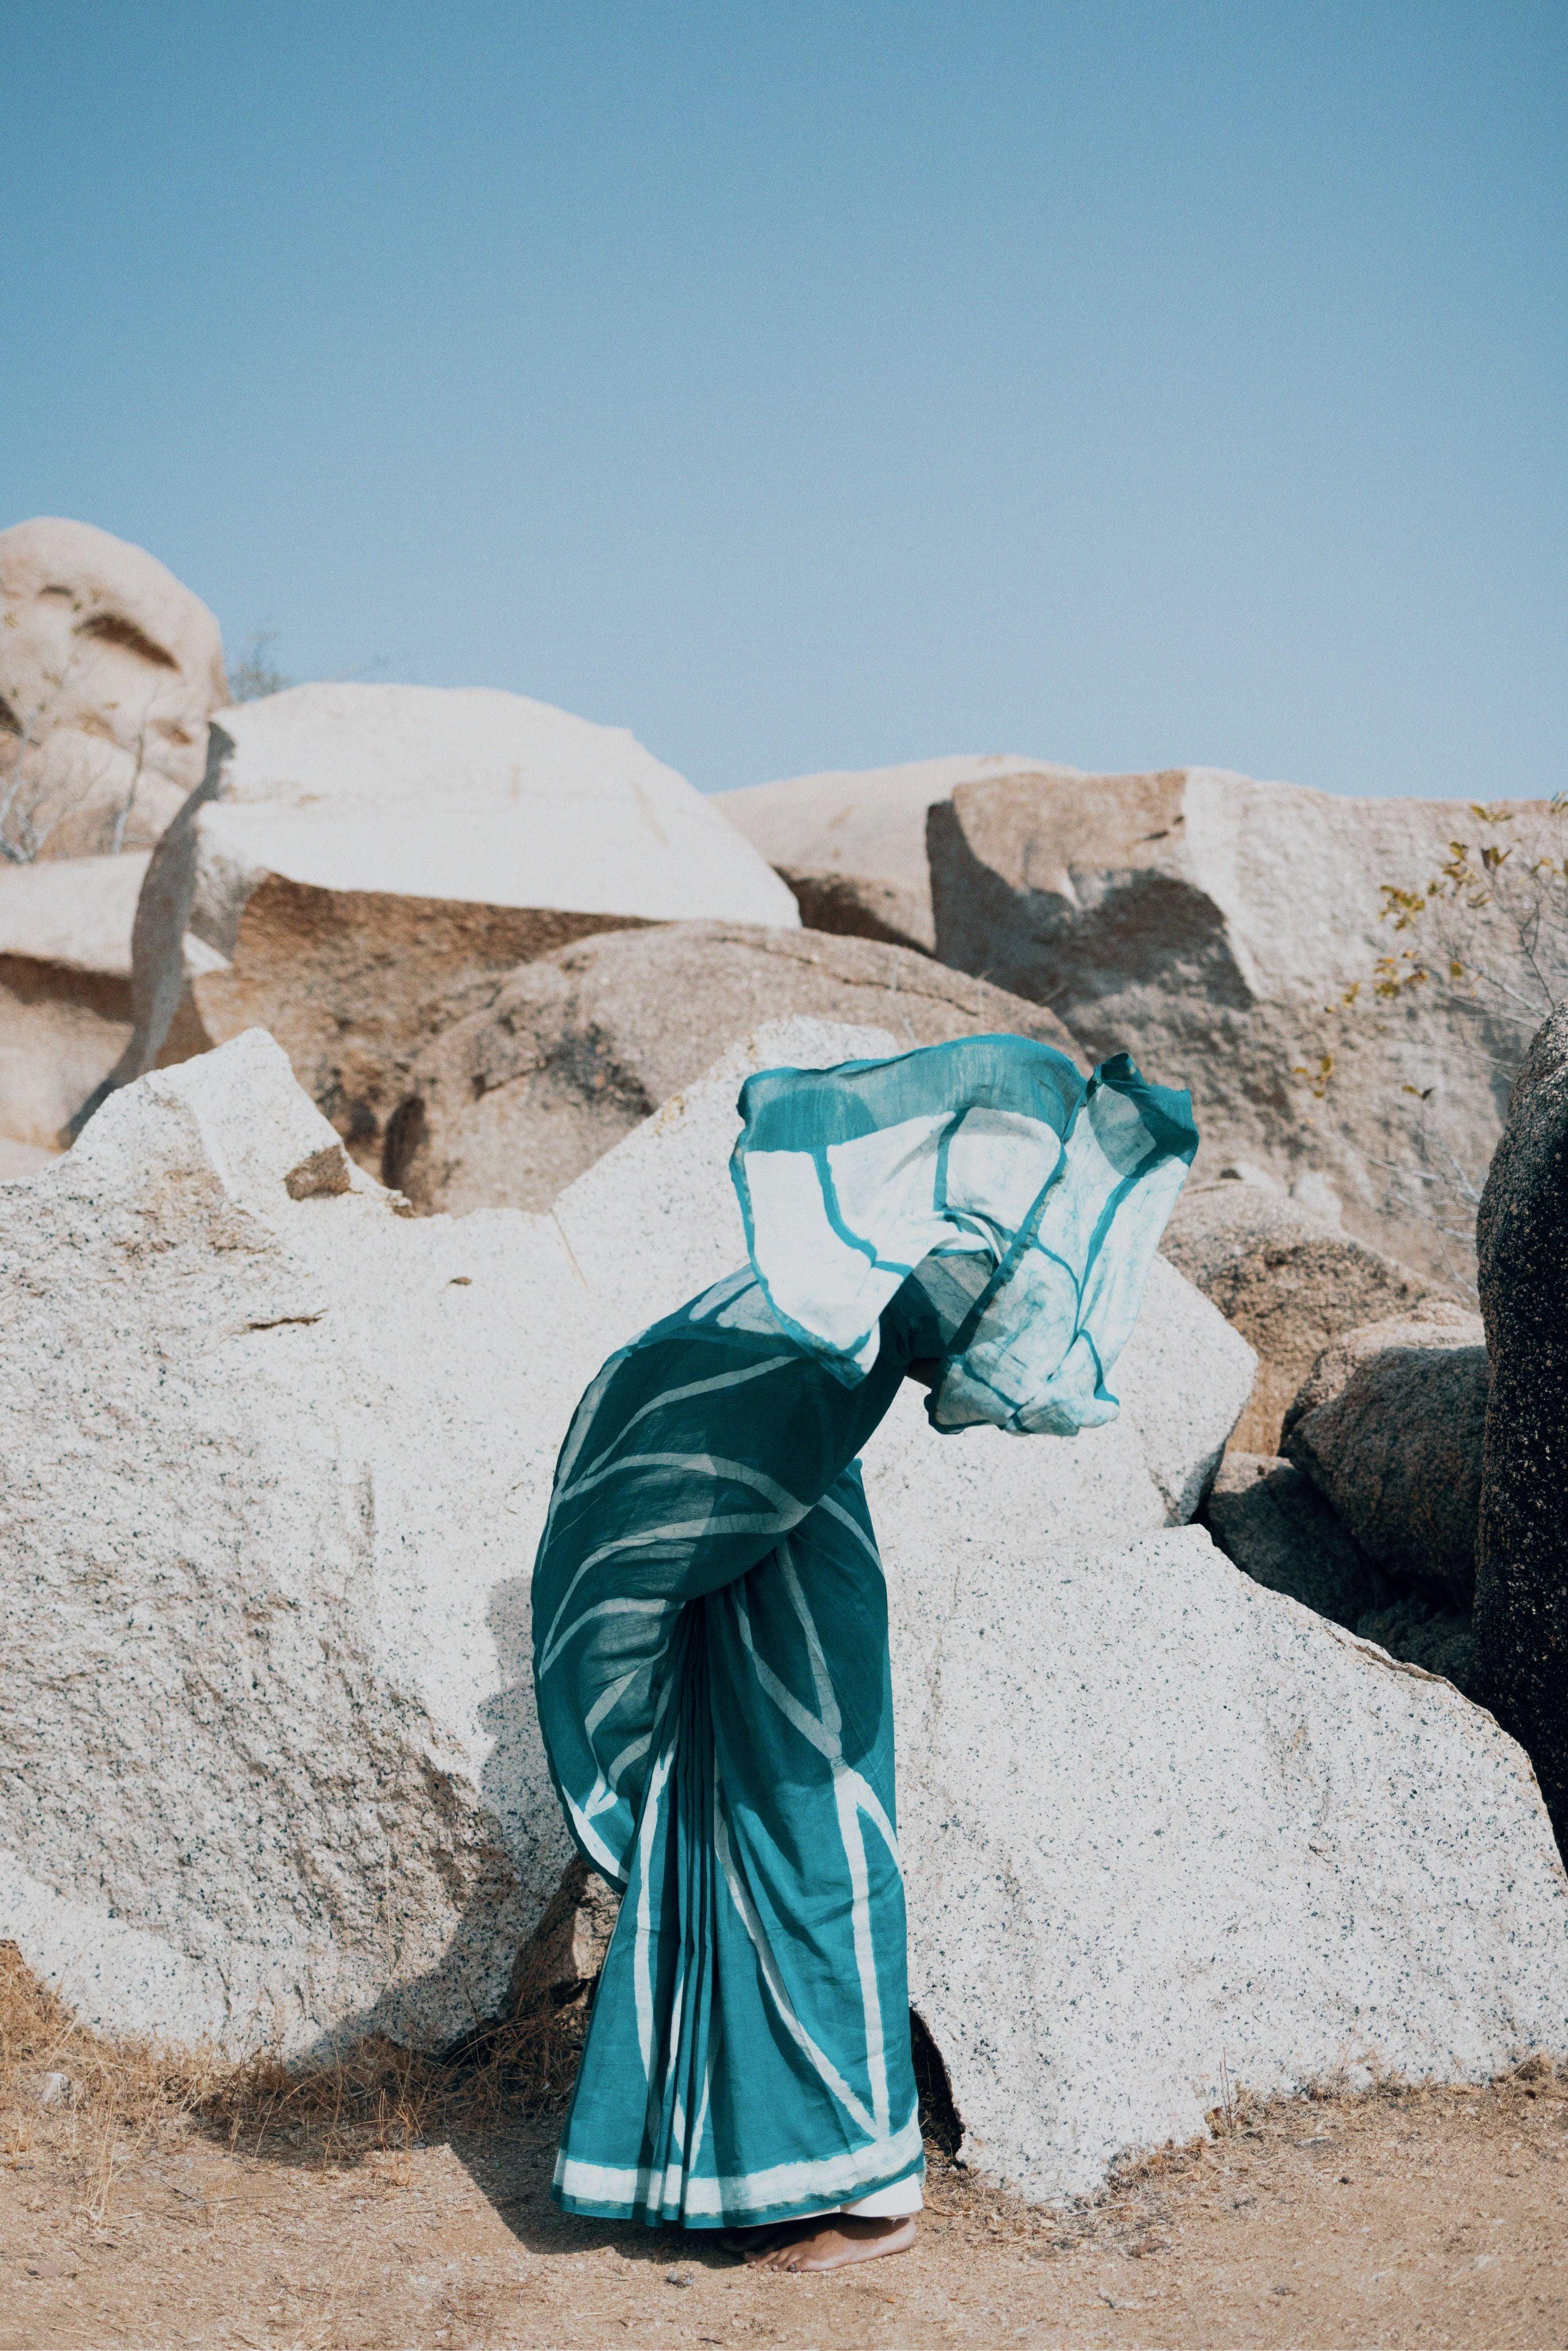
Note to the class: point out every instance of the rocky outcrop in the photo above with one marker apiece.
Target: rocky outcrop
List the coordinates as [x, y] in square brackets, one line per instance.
[1269, 1517]
[851, 843]
[504, 1108]
[66, 1012]
[1214, 928]
[1157, 1822]
[1522, 1587]
[1289, 1282]
[277, 1458]
[1389, 1427]
[368, 860]
[109, 672]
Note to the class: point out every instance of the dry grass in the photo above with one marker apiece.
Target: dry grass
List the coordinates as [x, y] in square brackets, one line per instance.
[178, 2204]
[122, 2099]
[125, 2098]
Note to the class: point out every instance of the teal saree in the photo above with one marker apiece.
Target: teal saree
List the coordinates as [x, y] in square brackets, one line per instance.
[710, 1617]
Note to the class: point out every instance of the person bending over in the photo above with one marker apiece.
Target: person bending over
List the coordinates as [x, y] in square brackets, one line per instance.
[710, 1614]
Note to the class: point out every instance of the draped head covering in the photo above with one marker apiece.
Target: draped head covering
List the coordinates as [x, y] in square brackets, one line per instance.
[1028, 1198]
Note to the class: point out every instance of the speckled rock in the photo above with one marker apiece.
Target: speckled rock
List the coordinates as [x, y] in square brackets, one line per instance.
[1268, 1518]
[506, 1107]
[266, 1695]
[277, 1458]
[1389, 1426]
[368, 861]
[1522, 1588]
[1157, 1821]
[1289, 1281]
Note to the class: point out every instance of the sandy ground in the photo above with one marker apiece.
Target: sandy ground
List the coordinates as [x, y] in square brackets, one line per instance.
[1422, 2218]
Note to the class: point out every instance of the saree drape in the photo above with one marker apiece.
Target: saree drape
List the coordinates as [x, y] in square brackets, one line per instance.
[710, 1616]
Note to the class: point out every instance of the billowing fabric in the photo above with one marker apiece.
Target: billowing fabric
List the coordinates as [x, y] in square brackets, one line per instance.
[990, 1145]
[710, 1618]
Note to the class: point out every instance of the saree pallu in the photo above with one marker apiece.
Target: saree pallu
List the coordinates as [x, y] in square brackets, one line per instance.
[710, 1616]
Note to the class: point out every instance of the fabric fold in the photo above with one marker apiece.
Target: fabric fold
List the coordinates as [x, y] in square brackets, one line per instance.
[994, 1147]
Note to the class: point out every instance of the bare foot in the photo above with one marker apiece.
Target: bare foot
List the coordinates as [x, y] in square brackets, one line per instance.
[834, 2240]
[756, 2240]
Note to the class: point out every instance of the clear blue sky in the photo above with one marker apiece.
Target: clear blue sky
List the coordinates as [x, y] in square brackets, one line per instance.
[812, 385]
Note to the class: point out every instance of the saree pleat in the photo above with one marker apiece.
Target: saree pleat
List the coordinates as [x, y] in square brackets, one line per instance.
[739, 2063]
[710, 1614]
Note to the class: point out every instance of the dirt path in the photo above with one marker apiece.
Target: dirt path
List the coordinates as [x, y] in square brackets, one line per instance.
[1429, 2219]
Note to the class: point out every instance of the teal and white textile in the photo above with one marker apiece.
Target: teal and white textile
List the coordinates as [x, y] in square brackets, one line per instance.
[710, 1619]
[990, 1146]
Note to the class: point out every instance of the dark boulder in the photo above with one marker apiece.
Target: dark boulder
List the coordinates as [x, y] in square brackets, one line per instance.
[1521, 1581]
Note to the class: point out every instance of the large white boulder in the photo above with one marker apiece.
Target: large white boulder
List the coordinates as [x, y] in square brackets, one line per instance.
[851, 842]
[368, 860]
[278, 1461]
[269, 1510]
[277, 1458]
[471, 794]
[1165, 1831]
[108, 671]
[1227, 934]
